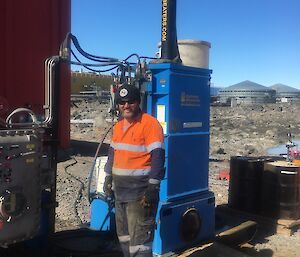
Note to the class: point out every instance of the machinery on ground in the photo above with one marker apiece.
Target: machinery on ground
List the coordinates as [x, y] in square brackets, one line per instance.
[28, 168]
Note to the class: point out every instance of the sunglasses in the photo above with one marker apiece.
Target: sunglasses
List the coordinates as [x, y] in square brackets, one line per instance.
[129, 102]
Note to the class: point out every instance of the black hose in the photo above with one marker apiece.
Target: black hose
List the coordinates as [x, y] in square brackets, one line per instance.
[80, 191]
[104, 61]
[136, 55]
[90, 69]
[90, 56]
[87, 65]
[147, 57]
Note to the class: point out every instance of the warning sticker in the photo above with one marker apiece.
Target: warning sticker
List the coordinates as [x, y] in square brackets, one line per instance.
[161, 117]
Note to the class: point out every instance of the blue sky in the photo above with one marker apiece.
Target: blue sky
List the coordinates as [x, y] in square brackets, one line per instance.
[258, 40]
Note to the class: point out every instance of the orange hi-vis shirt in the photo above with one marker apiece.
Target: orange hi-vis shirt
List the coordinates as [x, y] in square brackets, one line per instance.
[133, 145]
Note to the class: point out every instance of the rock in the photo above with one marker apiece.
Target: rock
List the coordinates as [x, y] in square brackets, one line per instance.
[270, 133]
[250, 149]
[221, 151]
[100, 121]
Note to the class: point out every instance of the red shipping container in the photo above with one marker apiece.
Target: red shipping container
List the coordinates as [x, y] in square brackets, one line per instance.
[30, 32]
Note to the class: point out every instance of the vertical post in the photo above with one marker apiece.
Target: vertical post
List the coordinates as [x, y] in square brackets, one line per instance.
[169, 46]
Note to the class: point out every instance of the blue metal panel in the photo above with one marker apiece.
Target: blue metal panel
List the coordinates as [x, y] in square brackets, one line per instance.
[184, 91]
[102, 219]
[187, 164]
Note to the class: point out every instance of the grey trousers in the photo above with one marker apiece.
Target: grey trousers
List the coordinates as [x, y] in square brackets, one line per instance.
[135, 228]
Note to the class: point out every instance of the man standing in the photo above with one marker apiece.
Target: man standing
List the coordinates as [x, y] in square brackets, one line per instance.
[134, 170]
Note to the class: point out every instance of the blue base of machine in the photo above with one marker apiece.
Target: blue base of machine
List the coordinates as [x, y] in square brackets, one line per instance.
[168, 238]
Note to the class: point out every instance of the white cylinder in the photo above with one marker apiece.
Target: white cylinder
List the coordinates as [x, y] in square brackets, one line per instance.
[99, 173]
[193, 53]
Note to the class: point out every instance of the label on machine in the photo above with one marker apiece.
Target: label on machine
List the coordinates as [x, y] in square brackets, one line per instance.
[99, 172]
[161, 117]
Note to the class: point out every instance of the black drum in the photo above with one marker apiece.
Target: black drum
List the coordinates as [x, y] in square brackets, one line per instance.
[245, 183]
[280, 190]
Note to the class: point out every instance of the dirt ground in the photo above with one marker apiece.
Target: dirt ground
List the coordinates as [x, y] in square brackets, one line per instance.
[234, 131]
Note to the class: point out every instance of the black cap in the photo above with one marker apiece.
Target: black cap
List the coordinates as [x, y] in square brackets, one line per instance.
[127, 93]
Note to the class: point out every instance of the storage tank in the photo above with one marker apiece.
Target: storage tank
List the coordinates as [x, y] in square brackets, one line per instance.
[245, 183]
[194, 53]
[281, 190]
[32, 31]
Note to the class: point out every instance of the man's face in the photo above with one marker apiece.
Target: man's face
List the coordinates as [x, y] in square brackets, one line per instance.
[129, 109]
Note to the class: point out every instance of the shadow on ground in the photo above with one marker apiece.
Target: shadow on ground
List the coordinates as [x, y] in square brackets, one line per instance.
[244, 234]
[82, 148]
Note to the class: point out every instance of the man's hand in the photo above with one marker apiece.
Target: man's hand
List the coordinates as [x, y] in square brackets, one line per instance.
[151, 196]
[107, 186]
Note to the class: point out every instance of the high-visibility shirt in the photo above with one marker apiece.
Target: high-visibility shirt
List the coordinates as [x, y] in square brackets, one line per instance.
[136, 156]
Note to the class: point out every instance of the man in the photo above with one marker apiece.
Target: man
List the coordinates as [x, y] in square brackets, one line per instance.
[134, 170]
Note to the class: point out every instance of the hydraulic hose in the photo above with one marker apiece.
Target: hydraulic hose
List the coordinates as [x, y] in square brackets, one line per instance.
[65, 46]
[90, 56]
[65, 51]
[87, 65]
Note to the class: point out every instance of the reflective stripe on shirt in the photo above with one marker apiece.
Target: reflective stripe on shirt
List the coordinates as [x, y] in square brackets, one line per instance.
[155, 145]
[131, 172]
[129, 147]
[137, 148]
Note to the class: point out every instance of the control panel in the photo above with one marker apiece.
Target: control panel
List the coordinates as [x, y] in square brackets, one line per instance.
[20, 184]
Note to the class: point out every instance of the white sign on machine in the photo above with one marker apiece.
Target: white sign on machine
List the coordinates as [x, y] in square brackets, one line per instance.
[99, 173]
[161, 117]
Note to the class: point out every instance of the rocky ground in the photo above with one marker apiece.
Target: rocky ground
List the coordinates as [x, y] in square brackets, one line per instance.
[234, 131]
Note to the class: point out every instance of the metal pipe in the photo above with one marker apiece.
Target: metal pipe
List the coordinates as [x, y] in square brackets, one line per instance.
[238, 235]
[53, 121]
[50, 65]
